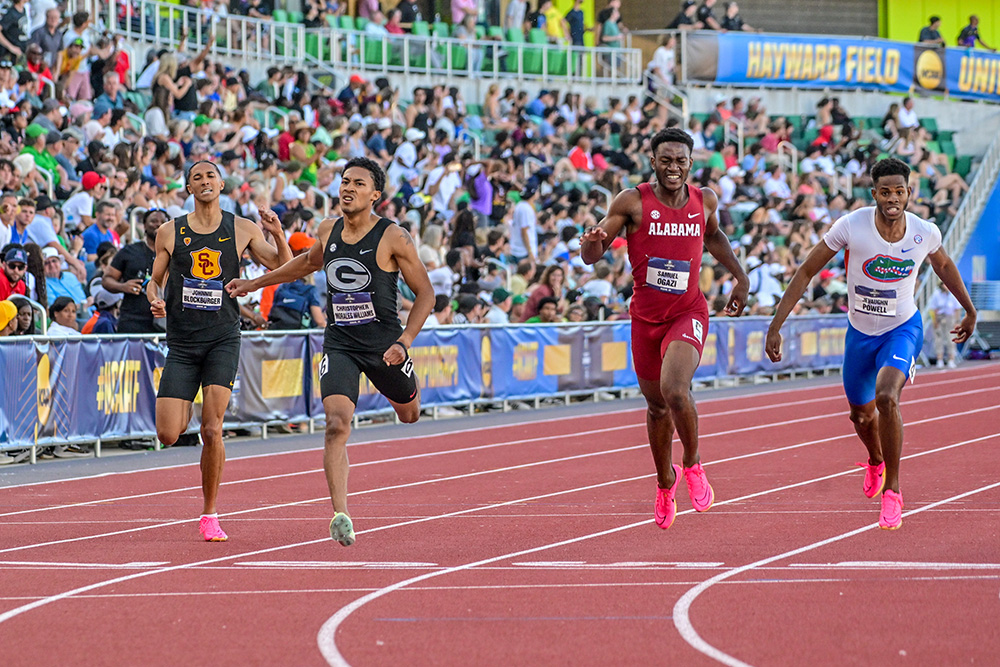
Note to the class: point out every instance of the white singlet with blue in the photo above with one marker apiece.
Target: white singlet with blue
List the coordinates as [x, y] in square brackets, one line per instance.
[881, 276]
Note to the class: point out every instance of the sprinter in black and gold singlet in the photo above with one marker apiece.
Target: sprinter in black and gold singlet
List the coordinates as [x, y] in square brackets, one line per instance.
[196, 256]
[362, 255]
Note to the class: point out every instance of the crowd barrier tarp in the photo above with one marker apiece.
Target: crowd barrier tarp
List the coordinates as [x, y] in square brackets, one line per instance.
[815, 61]
[64, 390]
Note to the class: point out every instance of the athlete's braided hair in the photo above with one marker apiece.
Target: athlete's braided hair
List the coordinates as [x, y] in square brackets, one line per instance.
[373, 167]
[671, 134]
[890, 166]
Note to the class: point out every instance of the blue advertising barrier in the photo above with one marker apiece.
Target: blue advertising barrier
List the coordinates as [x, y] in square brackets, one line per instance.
[90, 388]
[820, 61]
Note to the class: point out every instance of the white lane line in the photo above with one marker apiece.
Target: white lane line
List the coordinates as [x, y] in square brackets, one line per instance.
[327, 636]
[35, 604]
[682, 609]
[897, 565]
[479, 473]
[972, 376]
[462, 450]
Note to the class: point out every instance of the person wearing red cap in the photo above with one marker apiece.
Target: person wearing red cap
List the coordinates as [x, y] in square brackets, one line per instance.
[196, 255]
[363, 255]
[353, 93]
[79, 208]
[667, 224]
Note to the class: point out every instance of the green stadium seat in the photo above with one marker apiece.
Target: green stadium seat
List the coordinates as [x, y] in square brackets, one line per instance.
[280, 16]
[347, 22]
[945, 135]
[930, 124]
[947, 146]
[615, 142]
[810, 134]
[963, 165]
[296, 17]
[442, 29]
[331, 21]
[312, 46]
[373, 50]
[934, 146]
[474, 109]
[361, 22]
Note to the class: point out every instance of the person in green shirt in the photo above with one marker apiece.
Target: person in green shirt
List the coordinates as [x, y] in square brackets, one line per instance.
[548, 312]
[43, 147]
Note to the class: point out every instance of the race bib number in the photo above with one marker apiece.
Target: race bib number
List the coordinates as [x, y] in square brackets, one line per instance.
[870, 301]
[202, 294]
[668, 275]
[352, 309]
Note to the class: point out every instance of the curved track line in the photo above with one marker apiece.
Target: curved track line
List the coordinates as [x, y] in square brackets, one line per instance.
[326, 638]
[682, 618]
[974, 374]
[478, 473]
[461, 450]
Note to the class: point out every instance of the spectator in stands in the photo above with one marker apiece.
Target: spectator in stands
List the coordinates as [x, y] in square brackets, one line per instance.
[442, 313]
[733, 21]
[63, 315]
[15, 264]
[970, 35]
[551, 284]
[500, 308]
[930, 33]
[409, 14]
[13, 31]
[524, 226]
[111, 96]
[100, 231]
[128, 273]
[49, 37]
[35, 63]
[78, 209]
[548, 312]
[706, 17]
[459, 8]
[908, 121]
[556, 27]
[25, 317]
[469, 309]
[664, 62]
[8, 321]
[296, 304]
[58, 282]
[108, 306]
[686, 18]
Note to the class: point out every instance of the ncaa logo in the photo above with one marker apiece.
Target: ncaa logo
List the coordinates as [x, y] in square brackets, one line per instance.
[918, 239]
[654, 214]
[347, 275]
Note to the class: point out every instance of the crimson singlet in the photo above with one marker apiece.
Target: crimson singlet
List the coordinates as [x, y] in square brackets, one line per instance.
[665, 251]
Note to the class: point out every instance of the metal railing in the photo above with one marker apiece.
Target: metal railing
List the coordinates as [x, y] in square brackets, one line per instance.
[671, 98]
[732, 130]
[969, 213]
[332, 48]
[788, 157]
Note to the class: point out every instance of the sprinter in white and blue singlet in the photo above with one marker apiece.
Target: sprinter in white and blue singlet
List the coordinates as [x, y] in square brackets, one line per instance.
[885, 247]
[196, 255]
[362, 255]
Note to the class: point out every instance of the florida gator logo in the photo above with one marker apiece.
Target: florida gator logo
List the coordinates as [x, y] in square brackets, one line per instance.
[887, 269]
[205, 264]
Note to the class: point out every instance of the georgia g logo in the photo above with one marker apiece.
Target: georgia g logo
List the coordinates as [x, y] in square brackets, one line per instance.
[205, 264]
[347, 275]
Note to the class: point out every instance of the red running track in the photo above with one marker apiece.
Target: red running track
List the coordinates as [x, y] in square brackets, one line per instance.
[533, 543]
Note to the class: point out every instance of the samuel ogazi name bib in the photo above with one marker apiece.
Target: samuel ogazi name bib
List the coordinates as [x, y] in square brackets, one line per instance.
[668, 275]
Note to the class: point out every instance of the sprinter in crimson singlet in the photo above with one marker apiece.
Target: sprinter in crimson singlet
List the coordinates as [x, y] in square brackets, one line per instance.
[363, 255]
[196, 255]
[667, 224]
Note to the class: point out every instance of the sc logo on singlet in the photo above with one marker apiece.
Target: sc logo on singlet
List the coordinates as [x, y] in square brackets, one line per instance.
[347, 275]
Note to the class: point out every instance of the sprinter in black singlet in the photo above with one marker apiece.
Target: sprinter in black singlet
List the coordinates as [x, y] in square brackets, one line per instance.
[196, 255]
[362, 255]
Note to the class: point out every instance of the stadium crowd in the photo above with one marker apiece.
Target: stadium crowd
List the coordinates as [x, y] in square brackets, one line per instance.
[92, 163]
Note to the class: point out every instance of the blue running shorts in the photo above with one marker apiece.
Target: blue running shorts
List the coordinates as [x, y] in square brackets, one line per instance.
[865, 356]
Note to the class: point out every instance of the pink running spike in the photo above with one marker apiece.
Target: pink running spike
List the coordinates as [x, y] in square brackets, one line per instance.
[874, 479]
[702, 493]
[666, 507]
[891, 516]
[210, 530]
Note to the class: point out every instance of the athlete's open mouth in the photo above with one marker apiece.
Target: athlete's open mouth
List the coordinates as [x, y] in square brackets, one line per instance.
[892, 210]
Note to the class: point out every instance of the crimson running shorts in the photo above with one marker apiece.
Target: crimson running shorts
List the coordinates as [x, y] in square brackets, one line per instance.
[650, 341]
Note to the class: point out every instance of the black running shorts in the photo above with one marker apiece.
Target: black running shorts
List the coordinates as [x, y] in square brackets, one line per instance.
[340, 374]
[191, 366]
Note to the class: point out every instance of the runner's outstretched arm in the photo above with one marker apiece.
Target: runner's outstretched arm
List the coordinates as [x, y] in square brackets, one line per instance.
[298, 267]
[946, 270]
[596, 240]
[819, 257]
[717, 243]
